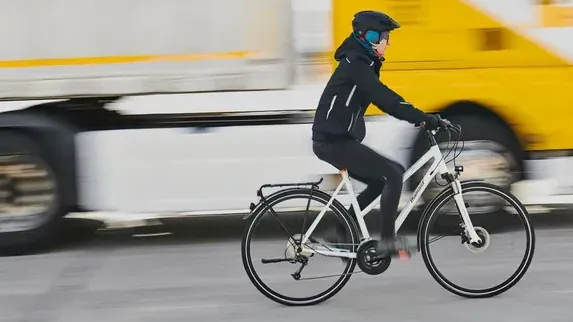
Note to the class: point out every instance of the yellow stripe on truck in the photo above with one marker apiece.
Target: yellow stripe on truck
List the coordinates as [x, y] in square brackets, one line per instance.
[103, 60]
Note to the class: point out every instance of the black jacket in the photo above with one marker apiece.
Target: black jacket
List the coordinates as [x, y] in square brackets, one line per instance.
[353, 86]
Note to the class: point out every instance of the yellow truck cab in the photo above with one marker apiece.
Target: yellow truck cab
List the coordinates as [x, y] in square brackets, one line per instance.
[501, 69]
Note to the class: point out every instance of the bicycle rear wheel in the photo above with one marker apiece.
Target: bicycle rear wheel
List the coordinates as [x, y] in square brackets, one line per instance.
[290, 255]
[516, 209]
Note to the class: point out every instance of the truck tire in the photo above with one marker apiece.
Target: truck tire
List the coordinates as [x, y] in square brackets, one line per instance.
[30, 195]
[491, 152]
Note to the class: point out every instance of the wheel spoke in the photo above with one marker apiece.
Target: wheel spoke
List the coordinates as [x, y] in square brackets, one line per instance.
[435, 239]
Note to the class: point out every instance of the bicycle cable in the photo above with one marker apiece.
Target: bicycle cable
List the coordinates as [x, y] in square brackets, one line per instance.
[457, 130]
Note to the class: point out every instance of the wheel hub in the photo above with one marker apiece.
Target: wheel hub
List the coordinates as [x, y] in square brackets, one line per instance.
[293, 251]
[480, 246]
[27, 189]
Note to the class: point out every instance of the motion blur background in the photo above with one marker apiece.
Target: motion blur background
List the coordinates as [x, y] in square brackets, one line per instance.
[134, 134]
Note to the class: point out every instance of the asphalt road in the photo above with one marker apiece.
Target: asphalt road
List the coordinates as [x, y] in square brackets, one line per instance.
[196, 275]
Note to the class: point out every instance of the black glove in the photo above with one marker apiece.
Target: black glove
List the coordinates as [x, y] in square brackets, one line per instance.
[434, 121]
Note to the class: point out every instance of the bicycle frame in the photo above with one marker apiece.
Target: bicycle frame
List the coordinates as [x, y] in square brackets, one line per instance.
[438, 165]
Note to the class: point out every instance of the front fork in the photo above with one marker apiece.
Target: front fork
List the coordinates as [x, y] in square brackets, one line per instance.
[461, 205]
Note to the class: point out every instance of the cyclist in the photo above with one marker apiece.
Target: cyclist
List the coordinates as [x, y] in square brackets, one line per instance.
[339, 127]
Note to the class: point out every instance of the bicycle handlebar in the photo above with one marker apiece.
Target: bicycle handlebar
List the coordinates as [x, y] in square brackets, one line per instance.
[448, 124]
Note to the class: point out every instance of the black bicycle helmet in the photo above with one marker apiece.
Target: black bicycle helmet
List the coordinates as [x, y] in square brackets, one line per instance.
[370, 20]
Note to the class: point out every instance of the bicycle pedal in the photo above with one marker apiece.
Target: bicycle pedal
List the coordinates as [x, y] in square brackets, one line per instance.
[404, 254]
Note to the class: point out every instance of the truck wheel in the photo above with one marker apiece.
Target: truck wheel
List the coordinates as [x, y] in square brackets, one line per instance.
[490, 152]
[30, 207]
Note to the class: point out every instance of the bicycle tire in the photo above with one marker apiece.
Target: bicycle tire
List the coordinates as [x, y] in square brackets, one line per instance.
[260, 210]
[431, 211]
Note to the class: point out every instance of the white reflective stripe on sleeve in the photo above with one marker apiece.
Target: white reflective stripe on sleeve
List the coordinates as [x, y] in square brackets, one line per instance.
[350, 95]
[351, 121]
[331, 106]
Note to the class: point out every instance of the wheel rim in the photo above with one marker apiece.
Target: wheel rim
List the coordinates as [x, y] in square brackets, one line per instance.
[27, 192]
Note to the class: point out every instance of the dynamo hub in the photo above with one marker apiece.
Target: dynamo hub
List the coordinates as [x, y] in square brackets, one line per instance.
[482, 245]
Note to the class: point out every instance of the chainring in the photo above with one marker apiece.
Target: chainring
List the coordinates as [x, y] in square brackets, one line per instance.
[368, 264]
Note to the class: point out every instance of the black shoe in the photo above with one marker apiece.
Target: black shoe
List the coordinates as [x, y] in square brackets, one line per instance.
[395, 247]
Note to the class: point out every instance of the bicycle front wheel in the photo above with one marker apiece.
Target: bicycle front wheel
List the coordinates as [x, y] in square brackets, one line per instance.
[493, 235]
[297, 266]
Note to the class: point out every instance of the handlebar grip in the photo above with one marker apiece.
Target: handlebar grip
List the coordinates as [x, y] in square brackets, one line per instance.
[445, 122]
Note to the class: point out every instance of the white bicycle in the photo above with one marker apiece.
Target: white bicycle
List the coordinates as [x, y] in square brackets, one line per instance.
[301, 247]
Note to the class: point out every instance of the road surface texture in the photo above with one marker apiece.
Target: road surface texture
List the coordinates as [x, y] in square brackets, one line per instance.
[196, 274]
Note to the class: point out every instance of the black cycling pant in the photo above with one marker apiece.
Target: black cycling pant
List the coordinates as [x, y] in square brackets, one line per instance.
[381, 175]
